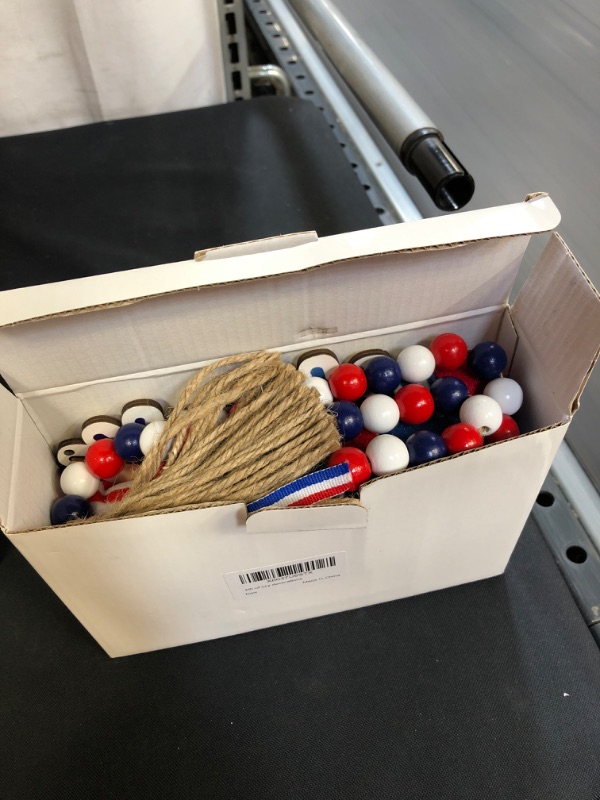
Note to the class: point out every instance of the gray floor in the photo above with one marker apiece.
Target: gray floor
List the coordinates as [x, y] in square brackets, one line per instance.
[515, 88]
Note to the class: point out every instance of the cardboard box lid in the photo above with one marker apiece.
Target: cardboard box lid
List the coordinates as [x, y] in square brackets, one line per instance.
[237, 299]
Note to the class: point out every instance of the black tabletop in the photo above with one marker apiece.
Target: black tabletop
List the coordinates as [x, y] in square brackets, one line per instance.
[484, 691]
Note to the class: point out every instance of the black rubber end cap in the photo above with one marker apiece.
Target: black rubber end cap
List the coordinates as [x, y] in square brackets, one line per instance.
[446, 181]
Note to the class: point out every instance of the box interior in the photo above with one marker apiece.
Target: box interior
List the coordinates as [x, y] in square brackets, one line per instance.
[55, 414]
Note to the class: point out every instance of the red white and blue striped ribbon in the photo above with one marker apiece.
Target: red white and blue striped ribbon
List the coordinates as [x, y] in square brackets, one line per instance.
[309, 489]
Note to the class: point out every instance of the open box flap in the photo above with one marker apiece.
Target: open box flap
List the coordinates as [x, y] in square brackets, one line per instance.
[557, 317]
[180, 314]
[536, 215]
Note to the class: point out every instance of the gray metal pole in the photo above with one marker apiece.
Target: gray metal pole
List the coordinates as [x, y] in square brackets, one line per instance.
[405, 126]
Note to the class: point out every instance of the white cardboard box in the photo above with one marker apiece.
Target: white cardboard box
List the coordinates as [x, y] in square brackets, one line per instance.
[78, 348]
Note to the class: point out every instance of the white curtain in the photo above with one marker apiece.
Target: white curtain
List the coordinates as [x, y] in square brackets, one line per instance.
[69, 62]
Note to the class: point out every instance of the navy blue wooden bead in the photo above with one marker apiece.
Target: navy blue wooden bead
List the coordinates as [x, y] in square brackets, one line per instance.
[487, 360]
[127, 442]
[68, 508]
[383, 375]
[404, 429]
[425, 446]
[439, 422]
[449, 394]
[348, 418]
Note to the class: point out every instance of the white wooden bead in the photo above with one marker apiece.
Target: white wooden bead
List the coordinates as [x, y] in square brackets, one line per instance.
[507, 393]
[77, 479]
[482, 412]
[416, 363]
[386, 454]
[380, 413]
[321, 385]
[151, 434]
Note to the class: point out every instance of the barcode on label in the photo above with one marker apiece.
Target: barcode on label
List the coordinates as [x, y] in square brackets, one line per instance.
[302, 567]
[318, 572]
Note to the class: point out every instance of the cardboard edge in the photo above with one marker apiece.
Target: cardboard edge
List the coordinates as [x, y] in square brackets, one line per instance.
[577, 398]
[456, 456]
[282, 242]
[333, 516]
[240, 514]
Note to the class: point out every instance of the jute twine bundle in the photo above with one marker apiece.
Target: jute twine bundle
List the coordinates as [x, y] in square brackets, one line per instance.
[277, 431]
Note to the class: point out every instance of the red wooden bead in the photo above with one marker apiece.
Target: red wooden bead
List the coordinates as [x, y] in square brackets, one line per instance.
[415, 403]
[102, 460]
[461, 437]
[98, 497]
[474, 384]
[449, 350]
[508, 430]
[118, 492]
[347, 382]
[362, 440]
[360, 467]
